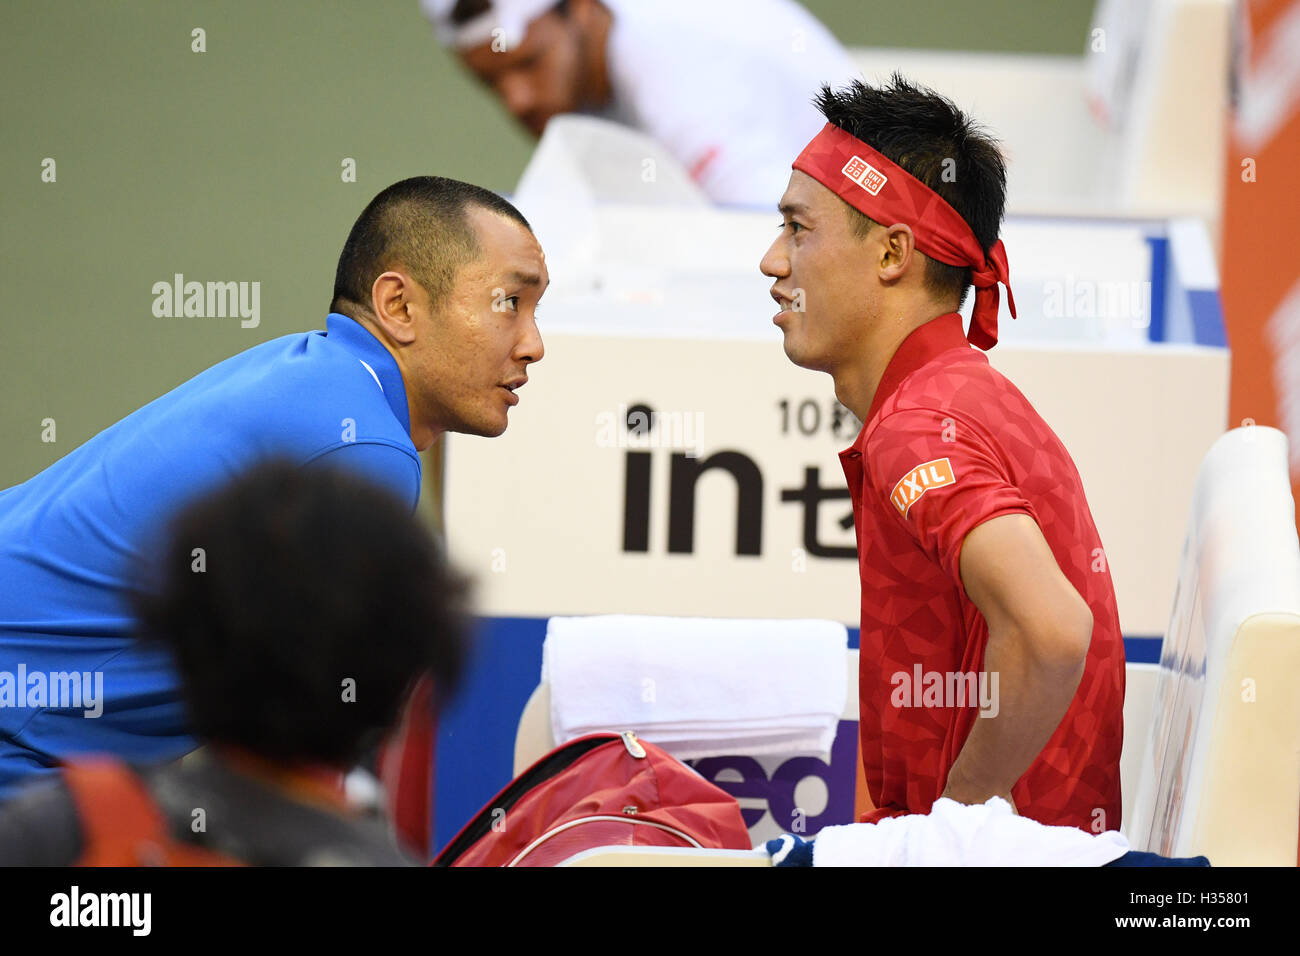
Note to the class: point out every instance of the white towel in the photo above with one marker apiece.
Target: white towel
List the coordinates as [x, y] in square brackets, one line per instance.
[698, 687]
[958, 834]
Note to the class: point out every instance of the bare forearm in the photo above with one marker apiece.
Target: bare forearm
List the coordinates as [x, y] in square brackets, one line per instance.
[1034, 691]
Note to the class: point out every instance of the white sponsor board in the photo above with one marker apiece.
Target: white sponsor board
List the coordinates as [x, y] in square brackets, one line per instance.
[733, 503]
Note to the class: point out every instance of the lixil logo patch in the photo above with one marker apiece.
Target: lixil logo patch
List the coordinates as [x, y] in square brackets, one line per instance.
[865, 175]
[931, 474]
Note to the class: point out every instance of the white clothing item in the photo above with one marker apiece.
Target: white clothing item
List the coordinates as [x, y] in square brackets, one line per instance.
[698, 687]
[725, 85]
[958, 834]
[511, 17]
[1117, 42]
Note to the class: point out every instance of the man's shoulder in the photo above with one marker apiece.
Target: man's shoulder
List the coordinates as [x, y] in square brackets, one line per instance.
[271, 828]
[954, 404]
[960, 385]
[294, 385]
[296, 396]
[39, 826]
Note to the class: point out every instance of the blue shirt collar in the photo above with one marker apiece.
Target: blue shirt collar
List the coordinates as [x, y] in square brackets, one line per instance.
[358, 340]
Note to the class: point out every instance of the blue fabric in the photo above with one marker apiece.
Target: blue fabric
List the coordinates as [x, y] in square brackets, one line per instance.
[790, 850]
[1139, 858]
[70, 537]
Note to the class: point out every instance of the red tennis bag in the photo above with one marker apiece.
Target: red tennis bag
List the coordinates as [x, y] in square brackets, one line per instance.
[598, 790]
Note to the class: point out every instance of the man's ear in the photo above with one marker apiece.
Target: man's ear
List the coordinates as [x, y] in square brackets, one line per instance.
[897, 253]
[391, 297]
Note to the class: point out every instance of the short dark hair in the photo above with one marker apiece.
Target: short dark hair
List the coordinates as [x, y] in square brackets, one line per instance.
[311, 577]
[466, 10]
[421, 224]
[919, 130]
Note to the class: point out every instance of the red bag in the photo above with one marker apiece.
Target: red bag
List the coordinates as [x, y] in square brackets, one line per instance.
[598, 790]
[406, 763]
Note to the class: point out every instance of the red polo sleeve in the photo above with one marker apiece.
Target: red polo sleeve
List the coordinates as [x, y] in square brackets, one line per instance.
[941, 476]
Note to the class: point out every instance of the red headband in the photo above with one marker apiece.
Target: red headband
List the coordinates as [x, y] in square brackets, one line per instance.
[887, 193]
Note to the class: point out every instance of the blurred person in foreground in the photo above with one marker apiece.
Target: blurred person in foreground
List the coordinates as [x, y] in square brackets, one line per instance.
[321, 602]
[431, 329]
[992, 658]
[726, 86]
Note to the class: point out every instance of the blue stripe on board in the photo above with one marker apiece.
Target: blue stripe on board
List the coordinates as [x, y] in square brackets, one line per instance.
[1139, 649]
[1142, 650]
[1159, 283]
[1207, 317]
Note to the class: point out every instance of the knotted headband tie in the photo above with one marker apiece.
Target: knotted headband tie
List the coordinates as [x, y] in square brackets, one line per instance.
[883, 191]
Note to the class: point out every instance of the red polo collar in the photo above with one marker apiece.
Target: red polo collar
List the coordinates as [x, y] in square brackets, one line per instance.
[926, 341]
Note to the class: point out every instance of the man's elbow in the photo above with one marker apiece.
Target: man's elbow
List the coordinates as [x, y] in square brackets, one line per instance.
[1060, 647]
[1068, 647]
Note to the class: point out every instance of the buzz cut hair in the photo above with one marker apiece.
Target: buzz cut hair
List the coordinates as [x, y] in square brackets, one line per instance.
[420, 225]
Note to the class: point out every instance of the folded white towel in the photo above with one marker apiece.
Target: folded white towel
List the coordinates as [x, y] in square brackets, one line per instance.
[698, 687]
[958, 834]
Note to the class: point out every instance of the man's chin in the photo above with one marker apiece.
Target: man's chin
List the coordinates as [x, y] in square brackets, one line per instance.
[484, 431]
[481, 427]
[799, 356]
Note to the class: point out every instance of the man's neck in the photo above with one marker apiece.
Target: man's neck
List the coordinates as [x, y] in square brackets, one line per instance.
[857, 380]
[596, 67]
[421, 437]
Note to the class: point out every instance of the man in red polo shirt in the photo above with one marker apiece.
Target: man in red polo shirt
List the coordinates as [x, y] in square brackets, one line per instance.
[992, 661]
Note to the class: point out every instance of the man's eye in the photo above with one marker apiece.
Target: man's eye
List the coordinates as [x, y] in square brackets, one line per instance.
[793, 226]
[514, 303]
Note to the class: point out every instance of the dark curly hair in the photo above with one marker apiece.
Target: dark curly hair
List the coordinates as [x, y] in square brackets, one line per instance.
[300, 604]
[935, 142]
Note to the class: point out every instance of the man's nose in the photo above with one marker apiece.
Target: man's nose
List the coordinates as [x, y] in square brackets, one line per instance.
[530, 347]
[774, 262]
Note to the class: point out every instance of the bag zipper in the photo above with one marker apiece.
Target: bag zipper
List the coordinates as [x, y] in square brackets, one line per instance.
[591, 819]
[544, 769]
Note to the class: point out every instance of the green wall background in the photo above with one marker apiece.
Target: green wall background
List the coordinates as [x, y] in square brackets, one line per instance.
[225, 166]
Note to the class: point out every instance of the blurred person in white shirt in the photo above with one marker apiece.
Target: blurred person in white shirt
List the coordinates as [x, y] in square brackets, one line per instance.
[725, 85]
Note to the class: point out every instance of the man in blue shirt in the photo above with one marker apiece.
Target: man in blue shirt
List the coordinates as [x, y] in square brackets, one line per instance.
[431, 329]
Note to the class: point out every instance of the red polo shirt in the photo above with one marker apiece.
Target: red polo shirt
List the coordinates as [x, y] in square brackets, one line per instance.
[948, 444]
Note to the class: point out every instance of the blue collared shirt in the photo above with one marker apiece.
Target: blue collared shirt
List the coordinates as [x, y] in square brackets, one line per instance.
[70, 537]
